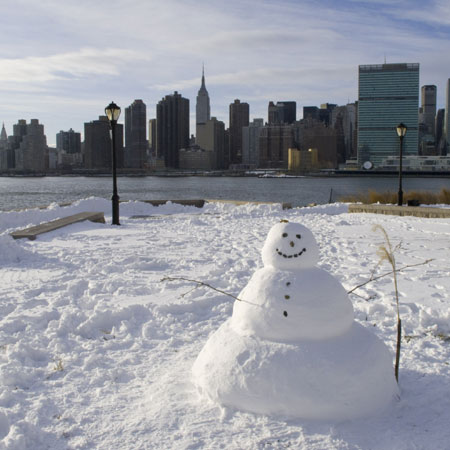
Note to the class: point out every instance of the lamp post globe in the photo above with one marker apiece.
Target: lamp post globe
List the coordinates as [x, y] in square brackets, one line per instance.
[112, 111]
[401, 132]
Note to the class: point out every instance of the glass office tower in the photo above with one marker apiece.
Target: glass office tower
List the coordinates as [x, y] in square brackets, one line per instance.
[388, 95]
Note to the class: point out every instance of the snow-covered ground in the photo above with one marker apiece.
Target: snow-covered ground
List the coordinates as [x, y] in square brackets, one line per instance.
[96, 351]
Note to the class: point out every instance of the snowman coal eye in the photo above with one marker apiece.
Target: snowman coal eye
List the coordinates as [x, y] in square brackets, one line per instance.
[284, 234]
[298, 236]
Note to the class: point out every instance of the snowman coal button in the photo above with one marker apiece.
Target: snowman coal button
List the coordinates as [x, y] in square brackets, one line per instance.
[287, 296]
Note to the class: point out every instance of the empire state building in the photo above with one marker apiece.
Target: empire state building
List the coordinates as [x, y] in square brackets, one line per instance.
[203, 113]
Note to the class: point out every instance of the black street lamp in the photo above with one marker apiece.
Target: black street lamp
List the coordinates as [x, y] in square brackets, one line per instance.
[113, 113]
[401, 132]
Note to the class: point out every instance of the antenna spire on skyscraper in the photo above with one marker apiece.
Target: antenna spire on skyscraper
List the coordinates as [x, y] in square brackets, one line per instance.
[203, 76]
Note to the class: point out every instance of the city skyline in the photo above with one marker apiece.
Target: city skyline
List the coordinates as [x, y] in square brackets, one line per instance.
[62, 63]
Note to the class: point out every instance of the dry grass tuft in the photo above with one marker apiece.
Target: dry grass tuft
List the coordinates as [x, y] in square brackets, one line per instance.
[390, 197]
[386, 253]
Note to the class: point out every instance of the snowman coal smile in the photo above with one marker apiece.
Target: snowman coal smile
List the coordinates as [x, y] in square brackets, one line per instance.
[294, 255]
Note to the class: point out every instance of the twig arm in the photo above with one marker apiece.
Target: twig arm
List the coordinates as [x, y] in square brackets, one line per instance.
[372, 278]
[201, 283]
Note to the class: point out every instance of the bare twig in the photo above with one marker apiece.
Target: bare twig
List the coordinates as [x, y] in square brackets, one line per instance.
[367, 299]
[201, 283]
[189, 291]
[372, 278]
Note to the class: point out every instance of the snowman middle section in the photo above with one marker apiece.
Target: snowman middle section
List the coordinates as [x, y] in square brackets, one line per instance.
[292, 305]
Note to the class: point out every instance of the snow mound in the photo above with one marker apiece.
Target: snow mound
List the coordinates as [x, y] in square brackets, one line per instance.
[11, 252]
[335, 379]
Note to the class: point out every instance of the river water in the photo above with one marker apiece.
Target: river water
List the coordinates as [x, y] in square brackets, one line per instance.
[23, 192]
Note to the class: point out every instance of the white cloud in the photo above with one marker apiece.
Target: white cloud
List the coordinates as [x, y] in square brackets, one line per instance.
[434, 13]
[85, 62]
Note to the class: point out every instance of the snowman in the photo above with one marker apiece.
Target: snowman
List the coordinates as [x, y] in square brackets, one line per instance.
[291, 346]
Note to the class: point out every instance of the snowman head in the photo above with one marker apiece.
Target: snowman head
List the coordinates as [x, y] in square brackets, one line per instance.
[290, 246]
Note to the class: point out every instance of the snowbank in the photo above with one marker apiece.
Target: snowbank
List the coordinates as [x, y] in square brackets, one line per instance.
[96, 351]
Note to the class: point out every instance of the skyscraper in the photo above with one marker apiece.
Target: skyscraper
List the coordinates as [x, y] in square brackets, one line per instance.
[343, 120]
[97, 144]
[172, 128]
[239, 118]
[250, 142]
[210, 137]
[152, 136]
[311, 112]
[31, 154]
[325, 113]
[313, 134]
[3, 135]
[440, 141]
[447, 116]
[274, 144]
[287, 111]
[14, 141]
[135, 152]
[20, 128]
[282, 113]
[272, 113]
[68, 141]
[388, 94]
[429, 107]
[3, 149]
[202, 109]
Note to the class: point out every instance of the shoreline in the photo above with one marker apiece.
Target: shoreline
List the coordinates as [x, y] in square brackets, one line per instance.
[240, 174]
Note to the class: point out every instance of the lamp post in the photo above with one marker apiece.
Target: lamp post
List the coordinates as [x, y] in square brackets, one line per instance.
[113, 112]
[401, 132]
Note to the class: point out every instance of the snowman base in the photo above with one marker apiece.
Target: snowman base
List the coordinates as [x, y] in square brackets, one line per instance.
[349, 376]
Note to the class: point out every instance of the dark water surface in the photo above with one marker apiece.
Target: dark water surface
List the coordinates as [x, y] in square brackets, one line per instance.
[22, 192]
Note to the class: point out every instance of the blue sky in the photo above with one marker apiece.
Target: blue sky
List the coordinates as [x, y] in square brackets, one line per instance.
[63, 61]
